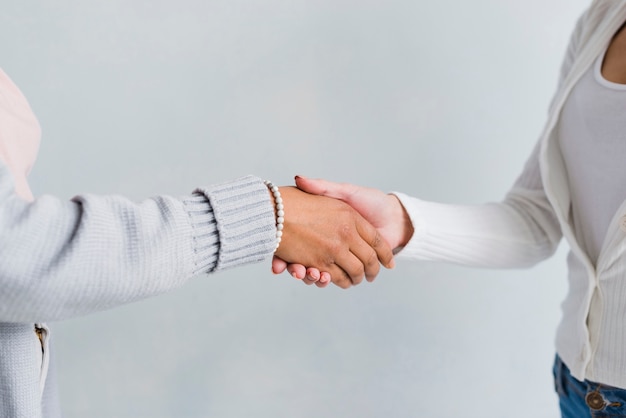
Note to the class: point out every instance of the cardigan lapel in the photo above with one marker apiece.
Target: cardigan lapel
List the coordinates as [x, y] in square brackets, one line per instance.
[600, 29]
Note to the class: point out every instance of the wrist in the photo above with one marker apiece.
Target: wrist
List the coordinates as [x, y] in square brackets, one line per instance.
[279, 212]
[402, 224]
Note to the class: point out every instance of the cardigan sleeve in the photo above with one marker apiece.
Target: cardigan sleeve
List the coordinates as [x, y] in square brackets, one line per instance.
[519, 231]
[61, 259]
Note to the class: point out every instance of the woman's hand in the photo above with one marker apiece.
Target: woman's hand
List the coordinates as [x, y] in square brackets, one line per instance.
[330, 235]
[383, 211]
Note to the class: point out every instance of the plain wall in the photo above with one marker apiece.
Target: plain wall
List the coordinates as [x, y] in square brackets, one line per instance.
[439, 99]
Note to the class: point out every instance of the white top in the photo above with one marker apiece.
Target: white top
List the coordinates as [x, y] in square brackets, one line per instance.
[528, 224]
[592, 135]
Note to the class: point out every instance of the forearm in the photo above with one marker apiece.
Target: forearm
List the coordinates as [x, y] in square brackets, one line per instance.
[518, 232]
[68, 258]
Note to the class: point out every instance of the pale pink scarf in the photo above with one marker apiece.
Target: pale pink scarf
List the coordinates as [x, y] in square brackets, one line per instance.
[19, 134]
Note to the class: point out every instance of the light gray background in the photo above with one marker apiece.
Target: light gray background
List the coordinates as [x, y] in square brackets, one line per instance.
[439, 99]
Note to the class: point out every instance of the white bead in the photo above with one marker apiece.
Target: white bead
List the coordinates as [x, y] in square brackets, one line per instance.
[280, 212]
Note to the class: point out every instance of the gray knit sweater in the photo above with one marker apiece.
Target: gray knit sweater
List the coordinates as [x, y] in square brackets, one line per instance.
[61, 259]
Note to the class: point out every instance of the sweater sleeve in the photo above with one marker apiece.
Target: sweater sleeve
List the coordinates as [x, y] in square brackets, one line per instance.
[519, 231]
[67, 258]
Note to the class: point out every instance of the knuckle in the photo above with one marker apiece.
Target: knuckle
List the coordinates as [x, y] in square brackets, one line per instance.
[329, 262]
[377, 240]
[344, 230]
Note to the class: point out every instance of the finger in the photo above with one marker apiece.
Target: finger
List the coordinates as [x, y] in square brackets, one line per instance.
[343, 282]
[372, 237]
[337, 276]
[278, 265]
[298, 271]
[324, 279]
[324, 187]
[313, 274]
[350, 264]
[368, 258]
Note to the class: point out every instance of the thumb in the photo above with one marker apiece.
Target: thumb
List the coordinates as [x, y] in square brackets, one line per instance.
[322, 187]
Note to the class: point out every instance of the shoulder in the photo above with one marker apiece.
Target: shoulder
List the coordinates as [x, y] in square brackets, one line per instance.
[598, 13]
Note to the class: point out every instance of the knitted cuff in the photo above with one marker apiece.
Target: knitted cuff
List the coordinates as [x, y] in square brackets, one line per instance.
[241, 214]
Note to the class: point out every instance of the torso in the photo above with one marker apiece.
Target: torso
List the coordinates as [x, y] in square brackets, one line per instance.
[592, 136]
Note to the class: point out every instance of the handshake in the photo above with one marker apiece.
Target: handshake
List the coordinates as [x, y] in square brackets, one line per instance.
[339, 232]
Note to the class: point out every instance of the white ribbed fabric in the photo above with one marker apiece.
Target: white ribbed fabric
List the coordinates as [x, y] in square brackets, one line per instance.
[592, 135]
[66, 258]
[526, 227]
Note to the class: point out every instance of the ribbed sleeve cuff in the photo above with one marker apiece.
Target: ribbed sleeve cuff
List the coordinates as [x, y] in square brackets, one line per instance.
[445, 233]
[233, 224]
[411, 249]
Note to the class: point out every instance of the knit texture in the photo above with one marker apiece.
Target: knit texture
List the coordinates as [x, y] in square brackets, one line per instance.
[62, 259]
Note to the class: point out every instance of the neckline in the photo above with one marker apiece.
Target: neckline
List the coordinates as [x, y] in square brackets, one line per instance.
[600, 78]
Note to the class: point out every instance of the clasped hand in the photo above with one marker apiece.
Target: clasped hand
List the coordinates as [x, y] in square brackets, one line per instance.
[340, 231]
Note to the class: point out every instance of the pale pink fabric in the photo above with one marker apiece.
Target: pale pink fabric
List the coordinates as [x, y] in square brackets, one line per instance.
[19, 134]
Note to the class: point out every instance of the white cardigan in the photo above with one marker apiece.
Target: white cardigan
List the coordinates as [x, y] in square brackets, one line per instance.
[526, 227]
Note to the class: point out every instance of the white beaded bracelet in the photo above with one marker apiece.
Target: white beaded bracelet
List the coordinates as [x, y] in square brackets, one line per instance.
[280, 211]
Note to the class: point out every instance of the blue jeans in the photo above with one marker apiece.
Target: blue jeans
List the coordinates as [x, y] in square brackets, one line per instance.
[586, 399]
